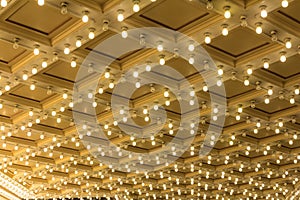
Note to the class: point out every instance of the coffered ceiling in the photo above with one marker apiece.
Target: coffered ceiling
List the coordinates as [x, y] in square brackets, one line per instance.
[43, 154]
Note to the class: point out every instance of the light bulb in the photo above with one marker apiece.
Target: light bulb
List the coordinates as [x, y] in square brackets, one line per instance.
[238, 117]
[34, 70]
[297, 90]
[105, 25]
[3, 3]
[85, 17]
[282, 56]
[246, 81]
[124, 32]
[225, 30]
[65, 95]
[243, 21]
[270, 91]
[167, 102]
[249, 70]
[266, 63]
[78, 41]
[137, 84]
[36, 50]
[25, 76]
[162, 60]
[292, 100]
[166, 93]
[227, 13]
[191, 60]
[267, 100]
[288, 43]
[67, 49]
[220, 71]
[64, 8]
[7, 87]
[111, 84]
[91, 33]
[107, 73]
[32, 86]
[263, 11]
[100, 90]
[284, 3]
[258, 29]
[148, 68]
[205, 88]
[41, 2]
[120, 15]
[73, 62]
[44, 63]
[191, 46]
[136, 6]
[207, 38]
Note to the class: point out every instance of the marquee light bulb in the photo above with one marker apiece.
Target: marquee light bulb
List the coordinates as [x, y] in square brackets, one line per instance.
[36, 50]
[124, 32]
[249, 70]
[258, 29]
[297, 90]
[225, 29]
[136, 6]
[263, 11]
[44, 63]
[288, 43]
[267, 100]
[32, 86]
[73, 63]
[162, 60]
[282, 56]
[120, 16]
[205, 87]
[284, 3]
[41, 2]
[192, 60]
[270, 91]
[25, 76]
[78, 41]
[34, 70]
[148, 67]
[191, 46]
[91, 33]
[7, 87]
[246, 81]
[266, 63]
[227, 13]
[207, 38]
[67, 49]
[111, 85]
[3, 3]
[85, 17]
[292, 100]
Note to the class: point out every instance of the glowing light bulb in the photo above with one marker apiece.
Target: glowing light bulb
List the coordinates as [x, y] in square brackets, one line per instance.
[191, 46]
[263, 11]
[136, 6]
[111, 85]
[148, 68]
[73, 63]
[297, 90]
[107, 73]
[292, 100]
[191, 60]
[258, 29]
[124, 32]
[36, 50]
[100, 90]
[41, 2]
[227, 13]
[67, 49]
[288, 43]
[3, 3]
[78, 41]
[225, 30]
[32, 86]
[91, 33]
[65, 95]
[284, 3]
[282, 56]
[25, 76]
[34, 70]
[162, 60]
[207, 38]
[85, 17]
[120, 16]
[267, 100]
[249, 70]
[166, 93]
[266, 63]
[270, 91]
[205, 88]
[7, 87]
[246, 81]
[44, 63]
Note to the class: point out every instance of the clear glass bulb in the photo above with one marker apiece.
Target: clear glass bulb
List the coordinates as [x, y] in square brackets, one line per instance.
[3, 3]
[227, 14]
[36, 51]
[207, 39]
[92, 34]
[162, 61]
[73, 63]
[284, 3]
[282, 58]
[136, 6]
[124, 34]
[34, 70]
[258, 29]
[266, 64]
[41, 2]
[288, 44]
[120, 16]
[85, 17]
[78, 42]
[263, 12]
[225, 31]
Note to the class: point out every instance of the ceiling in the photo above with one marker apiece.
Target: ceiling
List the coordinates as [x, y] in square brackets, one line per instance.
[41, 151]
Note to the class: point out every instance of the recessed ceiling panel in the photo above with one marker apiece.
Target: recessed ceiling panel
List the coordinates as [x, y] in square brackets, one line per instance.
[174, 13]
[292, 11]
[62, 70]
[43, 19]
[275, 105]
[249, 41]
[8, 53]
[38, 95]
[234, 88]
[288, 69]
